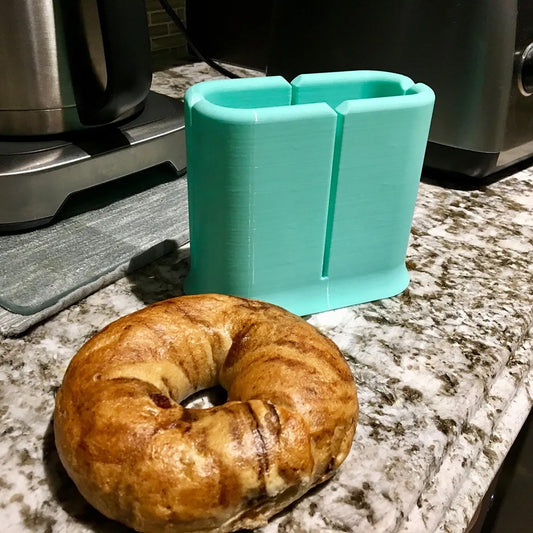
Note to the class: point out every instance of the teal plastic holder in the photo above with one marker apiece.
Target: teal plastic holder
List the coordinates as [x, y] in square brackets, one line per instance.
[302, 194]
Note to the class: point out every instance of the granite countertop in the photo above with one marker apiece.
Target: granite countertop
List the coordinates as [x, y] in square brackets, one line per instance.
[443, 371]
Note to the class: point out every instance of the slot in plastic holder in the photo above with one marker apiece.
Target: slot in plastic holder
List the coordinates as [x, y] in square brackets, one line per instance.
[302, 194]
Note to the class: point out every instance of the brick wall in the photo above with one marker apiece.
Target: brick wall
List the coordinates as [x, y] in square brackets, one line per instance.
[169, 47]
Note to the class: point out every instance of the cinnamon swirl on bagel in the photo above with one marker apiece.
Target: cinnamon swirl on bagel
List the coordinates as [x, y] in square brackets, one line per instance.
[140, 457]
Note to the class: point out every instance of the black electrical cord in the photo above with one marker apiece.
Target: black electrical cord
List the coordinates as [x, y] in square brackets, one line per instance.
[178, 22]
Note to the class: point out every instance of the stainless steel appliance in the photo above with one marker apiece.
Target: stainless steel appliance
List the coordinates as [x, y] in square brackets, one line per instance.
[75, 103]
[477, 56]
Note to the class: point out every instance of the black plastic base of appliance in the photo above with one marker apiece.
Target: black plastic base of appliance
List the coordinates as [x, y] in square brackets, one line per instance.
[456, 168]
[467, 162]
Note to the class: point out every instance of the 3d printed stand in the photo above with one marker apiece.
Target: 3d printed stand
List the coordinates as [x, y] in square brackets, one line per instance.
[303, 194]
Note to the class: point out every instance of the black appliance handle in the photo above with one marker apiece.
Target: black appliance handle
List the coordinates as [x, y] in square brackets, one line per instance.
[126, 46]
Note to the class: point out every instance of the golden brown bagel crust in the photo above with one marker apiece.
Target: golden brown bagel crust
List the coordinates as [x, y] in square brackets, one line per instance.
[141, 458]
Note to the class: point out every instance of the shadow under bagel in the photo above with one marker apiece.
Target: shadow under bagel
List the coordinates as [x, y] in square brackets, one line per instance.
[161, 279]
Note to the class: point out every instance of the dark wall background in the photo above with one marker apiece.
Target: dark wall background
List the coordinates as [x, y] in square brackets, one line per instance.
[169, 47]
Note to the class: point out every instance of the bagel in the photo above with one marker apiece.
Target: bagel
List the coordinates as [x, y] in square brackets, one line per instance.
[141, 458]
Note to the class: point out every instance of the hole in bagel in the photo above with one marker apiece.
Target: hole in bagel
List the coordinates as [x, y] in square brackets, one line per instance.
[206, 398]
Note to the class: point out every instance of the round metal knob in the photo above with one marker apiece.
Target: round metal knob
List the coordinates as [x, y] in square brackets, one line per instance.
[526, 71]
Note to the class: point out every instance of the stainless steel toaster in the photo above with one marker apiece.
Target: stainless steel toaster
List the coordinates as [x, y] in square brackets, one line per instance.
[477, 55]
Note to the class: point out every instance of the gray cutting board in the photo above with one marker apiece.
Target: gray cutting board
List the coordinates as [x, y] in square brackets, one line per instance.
[100, 236]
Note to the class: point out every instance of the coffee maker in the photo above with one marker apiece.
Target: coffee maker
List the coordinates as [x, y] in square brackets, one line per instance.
[76, 108]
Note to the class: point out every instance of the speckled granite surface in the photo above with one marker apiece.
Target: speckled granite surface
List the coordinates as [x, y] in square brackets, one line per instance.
[444, 374]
